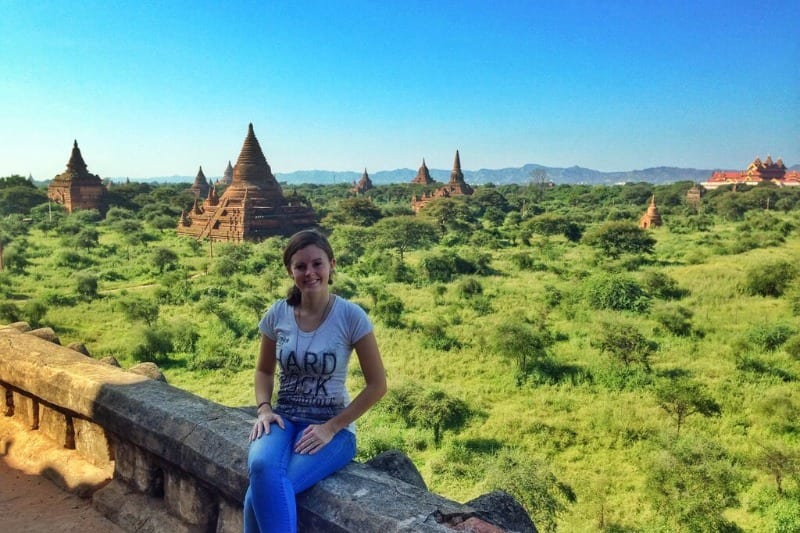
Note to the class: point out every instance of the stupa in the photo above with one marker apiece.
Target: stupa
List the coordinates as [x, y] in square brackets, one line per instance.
[227, 176]
[652, 218]
[423, 176]
[363, 185]
[455, 187]
[200, 186]
[76, 187]
[252, 208]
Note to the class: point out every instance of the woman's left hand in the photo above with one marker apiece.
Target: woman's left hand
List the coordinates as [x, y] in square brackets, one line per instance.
[314, 438]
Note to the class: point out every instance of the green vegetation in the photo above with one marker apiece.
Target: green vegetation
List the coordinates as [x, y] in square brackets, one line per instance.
[535, 339]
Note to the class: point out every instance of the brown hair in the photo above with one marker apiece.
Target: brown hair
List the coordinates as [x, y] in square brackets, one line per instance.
[297, 242]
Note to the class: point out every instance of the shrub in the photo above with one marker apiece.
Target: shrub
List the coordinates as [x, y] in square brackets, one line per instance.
[792, 346]
[155, 346]
[526, 261]
[389, 309]
[434, 336]
[34, 311]
[625, 343]
[618, 292]
[677, 320]
[660, 285]
[769, 337]
[443, 267]
[86, 285]
[9, 312]
[469, 287]
[769, 279]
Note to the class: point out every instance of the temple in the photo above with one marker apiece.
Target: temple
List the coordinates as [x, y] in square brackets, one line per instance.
[363, 185]
[76, 188]
[227, 176]
[652, 218]
[423, 176]
[455, 187]
[252, 208]
[757, 172]
[200, 186]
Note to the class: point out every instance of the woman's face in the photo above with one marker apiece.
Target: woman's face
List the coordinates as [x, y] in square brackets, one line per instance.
[310, 269]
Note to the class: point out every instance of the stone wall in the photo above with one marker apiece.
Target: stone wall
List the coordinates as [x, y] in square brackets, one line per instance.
[157, 458]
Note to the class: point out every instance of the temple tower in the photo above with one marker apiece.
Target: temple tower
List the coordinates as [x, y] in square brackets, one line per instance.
[363, 185]
[455, 187]
[252, 208]
[652, 218]
[423, 176]
[76, 187]
[200, 186]
[227, 176]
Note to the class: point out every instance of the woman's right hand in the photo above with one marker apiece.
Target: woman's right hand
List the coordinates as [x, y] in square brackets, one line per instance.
[263, 421]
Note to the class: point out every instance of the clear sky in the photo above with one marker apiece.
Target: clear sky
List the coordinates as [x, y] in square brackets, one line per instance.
[152, 88]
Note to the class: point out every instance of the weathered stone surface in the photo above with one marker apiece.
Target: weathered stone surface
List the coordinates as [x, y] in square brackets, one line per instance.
[111, 360]
[502, 509]
[398, 465]
[46, 334]
[79, 347]
[92, 442]
[55, 426]
[230, 519]
[360, 498]
[136, 512]
[22, 327]
[189, 499]
[26, 409]
[155, 427]
[149, 370]
[138, 468]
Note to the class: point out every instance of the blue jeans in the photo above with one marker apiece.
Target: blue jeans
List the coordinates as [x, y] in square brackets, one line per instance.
[277, 473]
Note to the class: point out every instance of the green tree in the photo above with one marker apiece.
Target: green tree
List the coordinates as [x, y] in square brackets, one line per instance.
[681, 398]
[438, 411]
[140, 309]
[778, 461]
[355, 211]
[532, 483]
[404, 233]
[88, 238]
[164, 259]
[625, 343]
[692, 484]
[522, 343]
[769, 279]
[86, 285]
[619, 237]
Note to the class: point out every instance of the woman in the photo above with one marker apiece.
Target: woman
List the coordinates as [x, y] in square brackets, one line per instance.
[309, 433]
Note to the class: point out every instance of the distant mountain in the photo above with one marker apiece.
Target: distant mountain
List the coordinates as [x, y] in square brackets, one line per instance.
[503, 176]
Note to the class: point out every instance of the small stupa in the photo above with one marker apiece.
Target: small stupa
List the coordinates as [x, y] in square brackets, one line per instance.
[227, 176]
[423, 176]
[200, 186]
[363, 185]
[652, 218]
[455, 187]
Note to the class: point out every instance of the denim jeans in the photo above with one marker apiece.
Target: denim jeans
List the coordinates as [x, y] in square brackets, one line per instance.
[277, 473]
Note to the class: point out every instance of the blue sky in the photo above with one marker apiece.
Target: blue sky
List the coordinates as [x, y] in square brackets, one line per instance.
[159, 88]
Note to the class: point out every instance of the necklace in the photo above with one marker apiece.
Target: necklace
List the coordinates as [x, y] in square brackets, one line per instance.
[314, 334]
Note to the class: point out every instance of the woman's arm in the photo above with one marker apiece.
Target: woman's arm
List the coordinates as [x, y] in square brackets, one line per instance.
[264, 385]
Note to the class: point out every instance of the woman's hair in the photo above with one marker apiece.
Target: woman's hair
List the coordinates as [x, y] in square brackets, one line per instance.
[297, 242]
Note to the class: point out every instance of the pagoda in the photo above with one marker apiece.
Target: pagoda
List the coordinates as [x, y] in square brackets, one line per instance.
[652, 218]
[363, 185]
[455, 187]
[423, 176]
[200, 186]
[227, 176]
[77, 188]
[252, 208]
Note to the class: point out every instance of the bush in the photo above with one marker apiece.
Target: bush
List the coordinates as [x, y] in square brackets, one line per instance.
[769, 337]
[677, 320]
[389, 309]
[792, 346]
[434, 336]
[9, 312]
[615, 291]
[469, 287]
[769, 279]
[660, 285]
[155, 346]
[86, 285]
[443, 267]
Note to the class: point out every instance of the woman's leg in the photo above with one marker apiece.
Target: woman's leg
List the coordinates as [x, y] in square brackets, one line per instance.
[306, 470]
[271, 494]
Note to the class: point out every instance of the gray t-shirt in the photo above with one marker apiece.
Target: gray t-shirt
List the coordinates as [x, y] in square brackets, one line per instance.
[313, 364]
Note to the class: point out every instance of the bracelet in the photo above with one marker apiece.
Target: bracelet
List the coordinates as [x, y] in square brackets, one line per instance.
[262, 404]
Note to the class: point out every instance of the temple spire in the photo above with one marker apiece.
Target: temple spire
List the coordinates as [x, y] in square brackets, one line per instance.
[456, 176]
[76, 163]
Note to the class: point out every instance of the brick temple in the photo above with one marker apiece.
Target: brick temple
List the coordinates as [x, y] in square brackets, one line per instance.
[227, 176]
[757, 172]
[423, 176]
[455, 187]
[76, 187]
[200, 186]
[253, 206]
[651, 218]
[363, 185]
